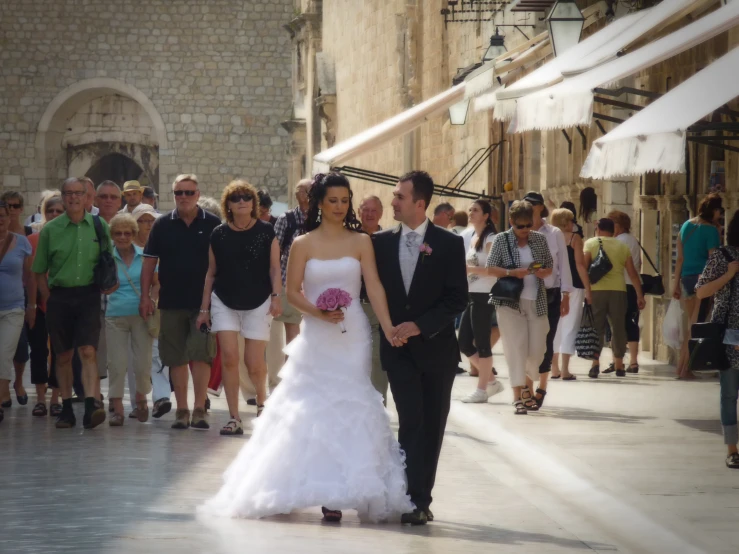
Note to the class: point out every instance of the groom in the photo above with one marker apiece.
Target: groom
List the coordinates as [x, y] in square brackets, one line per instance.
[422, 268]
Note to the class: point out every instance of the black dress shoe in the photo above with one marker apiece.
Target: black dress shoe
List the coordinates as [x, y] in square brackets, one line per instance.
[429, 515]
[416, 517]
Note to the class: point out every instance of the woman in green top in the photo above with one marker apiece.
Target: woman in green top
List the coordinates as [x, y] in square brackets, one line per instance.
[698, 238]
[609, 292]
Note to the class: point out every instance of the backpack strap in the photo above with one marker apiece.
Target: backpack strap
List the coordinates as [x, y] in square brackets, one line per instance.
[99, 233]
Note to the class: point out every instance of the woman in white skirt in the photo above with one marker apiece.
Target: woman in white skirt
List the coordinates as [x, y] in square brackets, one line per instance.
[569, 325]
[242, 290]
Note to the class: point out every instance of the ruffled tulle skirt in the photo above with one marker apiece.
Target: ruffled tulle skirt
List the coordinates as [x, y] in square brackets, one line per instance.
[324, 438]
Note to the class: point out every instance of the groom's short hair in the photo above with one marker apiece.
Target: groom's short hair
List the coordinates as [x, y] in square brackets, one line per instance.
[423, 185]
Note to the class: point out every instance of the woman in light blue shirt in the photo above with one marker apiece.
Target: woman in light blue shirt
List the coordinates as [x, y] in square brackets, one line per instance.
[697, 239]
[123, 324]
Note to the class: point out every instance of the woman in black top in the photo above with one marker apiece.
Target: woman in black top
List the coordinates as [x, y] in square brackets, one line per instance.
[242, 288]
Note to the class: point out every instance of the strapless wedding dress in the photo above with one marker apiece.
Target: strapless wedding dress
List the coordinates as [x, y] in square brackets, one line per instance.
[324, 438]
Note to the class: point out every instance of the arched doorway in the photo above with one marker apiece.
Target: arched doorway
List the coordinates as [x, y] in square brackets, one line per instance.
[56, 150]
[115, 167]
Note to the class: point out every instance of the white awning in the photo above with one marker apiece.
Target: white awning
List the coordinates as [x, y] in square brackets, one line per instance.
[551, 72]
[396, 126]
[654, 139]
[570, 103]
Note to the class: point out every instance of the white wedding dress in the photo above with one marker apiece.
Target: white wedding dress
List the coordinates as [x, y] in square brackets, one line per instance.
[324, 438]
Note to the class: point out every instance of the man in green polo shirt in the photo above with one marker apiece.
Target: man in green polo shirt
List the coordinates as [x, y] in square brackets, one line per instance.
[67, 253]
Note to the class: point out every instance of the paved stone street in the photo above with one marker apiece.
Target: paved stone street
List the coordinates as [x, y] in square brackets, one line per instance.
[613, 465]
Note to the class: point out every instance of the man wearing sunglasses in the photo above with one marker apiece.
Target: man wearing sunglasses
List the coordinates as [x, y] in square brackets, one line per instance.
[66, 257]
[179, 242]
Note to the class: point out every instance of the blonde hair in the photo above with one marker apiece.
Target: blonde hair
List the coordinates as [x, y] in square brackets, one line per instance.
[210, 205]
[125, 221]
[185, 177]
[244, 187]
[561, 217]
[46, 197]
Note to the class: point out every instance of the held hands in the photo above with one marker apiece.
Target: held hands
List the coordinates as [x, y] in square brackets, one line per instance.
[146, 307]
[275, 307]
[404, 331]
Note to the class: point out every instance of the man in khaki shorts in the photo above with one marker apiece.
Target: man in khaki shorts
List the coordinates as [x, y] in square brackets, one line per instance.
[288, 226]
[370, 213]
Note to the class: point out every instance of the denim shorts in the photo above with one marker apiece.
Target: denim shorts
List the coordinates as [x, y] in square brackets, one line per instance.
[688, 282]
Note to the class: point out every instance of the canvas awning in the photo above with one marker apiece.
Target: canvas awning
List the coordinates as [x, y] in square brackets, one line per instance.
[396, 126]
[655, 138]
[570, 103]
[551, 72]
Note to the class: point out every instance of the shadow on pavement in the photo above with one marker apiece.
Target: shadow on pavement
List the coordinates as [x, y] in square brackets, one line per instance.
[712, 426]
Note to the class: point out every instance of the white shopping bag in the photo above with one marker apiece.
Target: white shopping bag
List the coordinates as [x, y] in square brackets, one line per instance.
[672, 328]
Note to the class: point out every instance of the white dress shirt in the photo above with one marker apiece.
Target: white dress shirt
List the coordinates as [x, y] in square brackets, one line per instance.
[561, 276]
[421, 229]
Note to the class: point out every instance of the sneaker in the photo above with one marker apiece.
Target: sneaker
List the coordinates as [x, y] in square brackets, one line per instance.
[66, 420]
[494, 388]
[94, 418]
[182, 419]
[732, 461]
[161, 407]
[478, 397]
[198, 420]
[233, 427]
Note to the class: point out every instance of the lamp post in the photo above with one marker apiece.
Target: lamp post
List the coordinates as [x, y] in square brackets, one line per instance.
[458, 112]
[565, 23]
[496, 48]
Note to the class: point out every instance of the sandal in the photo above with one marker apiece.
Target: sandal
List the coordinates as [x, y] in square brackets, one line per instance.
[540, 401]
[232, 427]
[556, 376]
[633, 368]
[39, 410]
[55, 410]
[570, 377]
[528, 399]
[260, 409]
[610, 369]
[594, 371]
[332, 516]
[732, 461]
[116, 420]
[520, 408]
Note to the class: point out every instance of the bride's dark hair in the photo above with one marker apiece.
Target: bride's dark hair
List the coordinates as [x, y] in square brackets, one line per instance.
[321, 183]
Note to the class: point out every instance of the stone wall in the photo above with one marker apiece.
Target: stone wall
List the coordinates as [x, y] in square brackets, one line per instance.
[212, 81]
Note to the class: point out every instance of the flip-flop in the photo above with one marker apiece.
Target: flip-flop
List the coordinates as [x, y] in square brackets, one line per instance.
[555, 376]
[570, 378]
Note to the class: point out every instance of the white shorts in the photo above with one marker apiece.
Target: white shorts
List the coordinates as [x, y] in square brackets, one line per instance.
[251, 324]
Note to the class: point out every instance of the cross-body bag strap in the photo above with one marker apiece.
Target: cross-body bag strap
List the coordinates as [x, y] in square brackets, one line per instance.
[6, 245]
[510, 250]
[123, 266]
[729, 259]
[654, 267]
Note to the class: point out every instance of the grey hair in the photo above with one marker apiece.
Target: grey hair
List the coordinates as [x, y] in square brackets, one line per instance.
[185, 177]
[371, 197]
[72, 181]
[210, 205]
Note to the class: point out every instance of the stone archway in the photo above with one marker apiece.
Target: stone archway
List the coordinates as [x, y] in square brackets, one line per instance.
[52, 156]
[115, 167]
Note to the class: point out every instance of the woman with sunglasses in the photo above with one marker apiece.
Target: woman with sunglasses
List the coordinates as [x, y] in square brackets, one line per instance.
[43, 374]
[242, 294]
[124, 325]
[522, 254]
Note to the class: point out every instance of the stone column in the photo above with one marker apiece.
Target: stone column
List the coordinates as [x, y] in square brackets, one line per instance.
[297, 168]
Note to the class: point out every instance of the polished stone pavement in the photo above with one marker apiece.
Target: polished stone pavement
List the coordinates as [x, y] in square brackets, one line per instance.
[613, 465]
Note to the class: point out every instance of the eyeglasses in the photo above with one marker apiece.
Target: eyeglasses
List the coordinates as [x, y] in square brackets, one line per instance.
[57, 211]
[237, 197]
[75, 193]
[108, 197]
[185, 192]
[14, 206]
[122, 234]
[524, 226]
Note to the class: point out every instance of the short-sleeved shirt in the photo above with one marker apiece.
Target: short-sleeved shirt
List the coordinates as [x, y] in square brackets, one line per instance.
[182, 251]
[69, 251]
[477, 258]
[125, 300]
[630, 240]
[697, 239]
[618, 253]
[242, 280]
[11, 274]
[281, 230]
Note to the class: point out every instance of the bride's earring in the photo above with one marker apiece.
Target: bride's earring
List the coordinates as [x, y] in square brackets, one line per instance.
[319, 215]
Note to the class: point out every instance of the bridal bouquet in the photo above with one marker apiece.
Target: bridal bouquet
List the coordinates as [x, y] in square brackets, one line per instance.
[331, 300]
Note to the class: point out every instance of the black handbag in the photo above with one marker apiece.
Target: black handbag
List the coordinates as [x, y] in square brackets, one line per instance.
[706, 348]
[600, 266]
[105, 274]
[651, 284]
[507, 289]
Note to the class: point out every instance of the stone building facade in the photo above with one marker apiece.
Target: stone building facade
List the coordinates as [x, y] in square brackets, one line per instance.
[144, 89]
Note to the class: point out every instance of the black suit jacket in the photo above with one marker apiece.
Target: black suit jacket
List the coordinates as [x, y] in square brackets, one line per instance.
[438, 294]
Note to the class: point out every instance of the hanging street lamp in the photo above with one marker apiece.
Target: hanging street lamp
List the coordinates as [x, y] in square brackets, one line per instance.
[565, 23]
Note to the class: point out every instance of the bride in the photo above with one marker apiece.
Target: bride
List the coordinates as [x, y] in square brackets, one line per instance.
[324, 438]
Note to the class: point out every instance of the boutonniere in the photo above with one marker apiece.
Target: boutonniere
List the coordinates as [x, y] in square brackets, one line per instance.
[425, 250]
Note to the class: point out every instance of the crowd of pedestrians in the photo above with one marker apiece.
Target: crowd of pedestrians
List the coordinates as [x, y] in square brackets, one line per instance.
[200, 286]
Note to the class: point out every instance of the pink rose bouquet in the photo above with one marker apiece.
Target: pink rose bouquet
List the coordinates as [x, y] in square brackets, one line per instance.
[331, 300]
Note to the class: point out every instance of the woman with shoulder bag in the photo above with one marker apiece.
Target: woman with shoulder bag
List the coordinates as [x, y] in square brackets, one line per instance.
[718, 280]
[479, 324]
[123, 324]
[521, 260]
